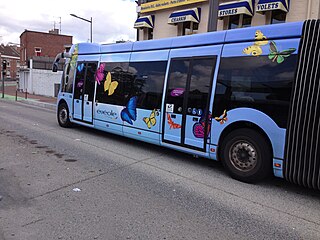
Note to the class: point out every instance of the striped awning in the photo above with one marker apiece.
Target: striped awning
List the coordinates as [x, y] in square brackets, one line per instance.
[269, 5]
[145, 22]
[236, 7]
[188, 15]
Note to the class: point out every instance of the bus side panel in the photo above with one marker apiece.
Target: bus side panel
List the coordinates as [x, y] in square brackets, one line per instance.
[140, 130]
[67, 97]
[146, 124]
[275, 134]
[107, 116]
[254, 85]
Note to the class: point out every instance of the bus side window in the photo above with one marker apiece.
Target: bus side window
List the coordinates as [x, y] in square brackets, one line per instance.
[148, 79]
[115, 94]
[63, 78]
[69, 79]
[255, 83]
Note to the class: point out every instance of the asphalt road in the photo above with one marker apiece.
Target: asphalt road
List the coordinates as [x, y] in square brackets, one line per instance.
[80, 183]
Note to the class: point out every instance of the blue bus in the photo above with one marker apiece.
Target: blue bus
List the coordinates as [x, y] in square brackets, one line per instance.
[247, 97]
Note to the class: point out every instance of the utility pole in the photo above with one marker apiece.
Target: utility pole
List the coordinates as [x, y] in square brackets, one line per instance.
[213, 15]
[3, 71]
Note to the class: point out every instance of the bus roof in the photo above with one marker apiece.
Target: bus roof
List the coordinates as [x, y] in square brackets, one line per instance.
[277, 31]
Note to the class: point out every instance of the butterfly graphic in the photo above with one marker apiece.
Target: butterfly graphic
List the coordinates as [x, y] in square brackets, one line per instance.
[129, 113]
[199, 127]
[223, 118]
[100, 73]
[255, 49]
[74, 57]
[109, 85]
[80, 83]
[80, 67]
[275, 55]
[151, 121]
[171, 123]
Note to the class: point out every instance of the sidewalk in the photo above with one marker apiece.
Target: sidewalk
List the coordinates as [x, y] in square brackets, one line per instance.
[37, 100]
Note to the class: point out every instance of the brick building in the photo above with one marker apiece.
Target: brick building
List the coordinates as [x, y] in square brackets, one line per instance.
[9, 55]
[40, 44]
[170, 18]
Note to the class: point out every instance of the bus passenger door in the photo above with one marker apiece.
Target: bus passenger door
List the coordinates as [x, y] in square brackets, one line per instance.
[187, 117]
[84, 91]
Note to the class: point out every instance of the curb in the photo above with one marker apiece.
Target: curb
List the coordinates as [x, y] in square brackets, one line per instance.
[37, 103]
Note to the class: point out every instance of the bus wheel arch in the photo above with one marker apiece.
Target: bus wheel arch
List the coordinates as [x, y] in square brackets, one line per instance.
[246, 152]
[63, 114]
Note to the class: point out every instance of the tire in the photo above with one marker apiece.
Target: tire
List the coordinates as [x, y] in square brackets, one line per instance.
[247, 155]
[63, 115]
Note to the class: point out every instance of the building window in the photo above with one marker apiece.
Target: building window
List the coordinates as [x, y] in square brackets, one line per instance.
[278, 16]
[239, 21]
[147, 33]
[246, 21]
[234, 21]
[187, 28]
[37, 51]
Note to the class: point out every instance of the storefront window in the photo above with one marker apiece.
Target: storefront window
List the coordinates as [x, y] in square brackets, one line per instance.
[234, 21]
[246, 22]
[239, 21]
[187, 28]
[148, 33]
[278, 16]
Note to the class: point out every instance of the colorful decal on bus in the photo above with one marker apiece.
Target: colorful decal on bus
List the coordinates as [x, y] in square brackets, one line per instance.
[74, 57]
[255, 49]
[109, 85]
[129, 113]
[223, 118]
[172, 124]
[100, 73]
[199, 127]
[275, 55]
[177, 92]
[80, 67]
[151, 120]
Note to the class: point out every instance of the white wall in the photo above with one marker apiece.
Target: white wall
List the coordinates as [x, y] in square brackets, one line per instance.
[39, 82]
[43, 82]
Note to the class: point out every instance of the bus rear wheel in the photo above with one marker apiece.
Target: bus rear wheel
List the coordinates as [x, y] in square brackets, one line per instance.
[63, 115]
[246, 155]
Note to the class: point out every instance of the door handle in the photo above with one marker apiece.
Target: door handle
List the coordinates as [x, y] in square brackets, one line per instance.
[173, 116]
[77, 101]
[195, 119]
[88, 103]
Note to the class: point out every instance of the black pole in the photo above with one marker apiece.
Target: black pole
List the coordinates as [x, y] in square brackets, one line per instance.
[2, 84]
[213, 15]
[91, 29]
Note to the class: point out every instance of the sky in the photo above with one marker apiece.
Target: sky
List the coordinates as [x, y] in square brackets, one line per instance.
[112, 19]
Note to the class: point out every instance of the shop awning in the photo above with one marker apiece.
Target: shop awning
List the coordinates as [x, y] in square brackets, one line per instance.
[236, 7]
[145, 22]
[269, 5]
[188, 15]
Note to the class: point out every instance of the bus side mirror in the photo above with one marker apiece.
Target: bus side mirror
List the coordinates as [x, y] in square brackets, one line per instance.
[55, 67]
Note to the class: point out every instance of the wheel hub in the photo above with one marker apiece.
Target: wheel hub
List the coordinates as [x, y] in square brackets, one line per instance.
[63, 115]
[243, 156]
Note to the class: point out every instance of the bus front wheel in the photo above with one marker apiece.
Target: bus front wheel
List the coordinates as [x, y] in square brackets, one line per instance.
[246, 155]
[63, 115]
